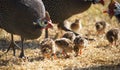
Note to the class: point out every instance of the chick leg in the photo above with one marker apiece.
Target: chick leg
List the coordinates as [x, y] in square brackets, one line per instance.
[80, 51]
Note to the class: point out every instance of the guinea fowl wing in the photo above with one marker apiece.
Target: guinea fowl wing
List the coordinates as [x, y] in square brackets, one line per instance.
[18, 17]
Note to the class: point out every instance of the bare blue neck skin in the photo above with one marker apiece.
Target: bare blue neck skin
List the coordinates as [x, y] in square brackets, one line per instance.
[117, 9]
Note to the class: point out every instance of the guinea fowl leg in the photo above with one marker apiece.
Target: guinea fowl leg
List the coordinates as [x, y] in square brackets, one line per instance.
[12, 45]
[46, 33]
[22, 49]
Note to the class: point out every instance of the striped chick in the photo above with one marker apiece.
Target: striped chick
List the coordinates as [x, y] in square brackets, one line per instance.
[65, 45]
[80, 43]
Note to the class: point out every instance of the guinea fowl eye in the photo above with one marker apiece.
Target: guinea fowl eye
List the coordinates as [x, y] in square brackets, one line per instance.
[45, 22]
[115, 7]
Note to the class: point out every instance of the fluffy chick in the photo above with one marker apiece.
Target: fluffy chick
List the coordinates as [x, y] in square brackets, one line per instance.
[80, 43]
[76, 26]
[100, 27]
[113, 35]
[69, 35]
[65, 45]
[46, 47]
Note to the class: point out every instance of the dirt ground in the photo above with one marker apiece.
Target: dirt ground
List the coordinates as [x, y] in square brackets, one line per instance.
[97, 56]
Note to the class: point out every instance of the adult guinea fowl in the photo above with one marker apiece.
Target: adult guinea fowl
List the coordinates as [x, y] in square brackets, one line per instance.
[23, 17]
[60, 10]
[114, 9]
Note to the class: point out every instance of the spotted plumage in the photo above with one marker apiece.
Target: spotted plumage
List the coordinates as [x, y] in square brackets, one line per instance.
[69, 35]
[46, 47]
[65, 45]
[80, 43]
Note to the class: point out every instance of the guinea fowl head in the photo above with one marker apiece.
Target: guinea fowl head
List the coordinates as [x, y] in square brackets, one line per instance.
[113, 9]
[44, 23]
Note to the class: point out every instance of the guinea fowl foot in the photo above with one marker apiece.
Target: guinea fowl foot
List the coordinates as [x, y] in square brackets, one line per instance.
[21, 55]
[12, 45]
[22, 48]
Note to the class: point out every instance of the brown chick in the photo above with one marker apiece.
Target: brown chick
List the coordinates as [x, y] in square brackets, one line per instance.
[76, 26]
[100, 27]
[113, 35]
[46, 47]
[65, 45]
[80, 43]
[69, 35]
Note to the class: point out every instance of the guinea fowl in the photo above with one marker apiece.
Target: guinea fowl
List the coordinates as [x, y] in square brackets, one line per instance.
[114, 9]
[60, 10]
[23, 17]
[113, 36]
[76, 26]
[100, 27]
[80, 43]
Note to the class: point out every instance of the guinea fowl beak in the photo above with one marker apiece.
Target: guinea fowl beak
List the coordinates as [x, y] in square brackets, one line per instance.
[110, 15]
[49, 24]
[105, 11]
